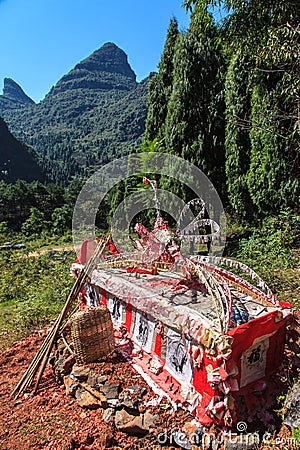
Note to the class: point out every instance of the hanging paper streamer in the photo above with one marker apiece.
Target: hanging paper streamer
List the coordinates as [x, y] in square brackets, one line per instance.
[194, 202]
[187, 233]
[262, 287]
[153, 184]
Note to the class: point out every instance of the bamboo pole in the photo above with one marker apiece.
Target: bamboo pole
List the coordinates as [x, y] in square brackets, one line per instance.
[41, 358]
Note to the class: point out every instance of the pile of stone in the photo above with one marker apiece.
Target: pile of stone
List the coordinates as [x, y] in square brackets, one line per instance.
[123, 406]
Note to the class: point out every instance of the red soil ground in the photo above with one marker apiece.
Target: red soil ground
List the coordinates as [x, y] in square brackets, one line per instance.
[53, 420]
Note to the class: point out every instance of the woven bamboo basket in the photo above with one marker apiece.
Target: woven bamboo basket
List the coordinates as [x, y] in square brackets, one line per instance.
[92, 334]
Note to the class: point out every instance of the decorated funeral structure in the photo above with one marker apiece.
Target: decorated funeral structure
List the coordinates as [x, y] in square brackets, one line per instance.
[204, 331]
[199, 332]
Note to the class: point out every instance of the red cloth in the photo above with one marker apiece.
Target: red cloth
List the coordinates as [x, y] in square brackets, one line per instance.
[112, 248]
[138, 270]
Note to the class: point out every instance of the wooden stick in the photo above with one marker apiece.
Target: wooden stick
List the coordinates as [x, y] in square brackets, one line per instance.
[33, 363]
[67, 344]
[42, 355]
[74, 293]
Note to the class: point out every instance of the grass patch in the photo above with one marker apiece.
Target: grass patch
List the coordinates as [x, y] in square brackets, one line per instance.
[33, 291]
[273, 251]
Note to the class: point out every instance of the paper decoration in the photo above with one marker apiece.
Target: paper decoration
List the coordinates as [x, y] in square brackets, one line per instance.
[262, 287]
[254, 361]
[177, 357]
[143, 331]
[186, 233]
[116, 309]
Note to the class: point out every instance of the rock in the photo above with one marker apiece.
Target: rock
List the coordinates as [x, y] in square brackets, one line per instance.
[109, 390]
[61, 348]
[80, 373]
[126, 401]
[58, 369]
[94, 379]
[292, 407]
[14, 91]
[137, 390]
[98, 395]
[149, 419]
[135, 424]
[68, 364]
[108, 415]
[86, 400]
[130, 424]
[131, 397]
[70, 385]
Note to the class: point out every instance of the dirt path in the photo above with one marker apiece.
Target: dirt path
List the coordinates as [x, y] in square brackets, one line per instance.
[44, 250]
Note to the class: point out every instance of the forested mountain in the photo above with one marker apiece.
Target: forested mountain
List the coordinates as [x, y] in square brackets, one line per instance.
[17, 161]
[225, 97]
[93, 114]
[13, 96]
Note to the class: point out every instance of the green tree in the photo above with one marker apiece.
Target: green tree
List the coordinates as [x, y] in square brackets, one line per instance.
[61, 220]
[271, 183]
[267, 29]
[194, 124]
[261, 41]
[3, 229]
[35, 224]
[160, 87]
[238, 89]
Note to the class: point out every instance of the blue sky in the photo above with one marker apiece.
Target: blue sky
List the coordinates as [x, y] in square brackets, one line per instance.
[41, 40]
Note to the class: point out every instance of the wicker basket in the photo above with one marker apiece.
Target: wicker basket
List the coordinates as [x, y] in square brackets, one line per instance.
[92, 334]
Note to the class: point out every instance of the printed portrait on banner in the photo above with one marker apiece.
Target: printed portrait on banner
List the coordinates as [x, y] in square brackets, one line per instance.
[143, 331]
[177, 357]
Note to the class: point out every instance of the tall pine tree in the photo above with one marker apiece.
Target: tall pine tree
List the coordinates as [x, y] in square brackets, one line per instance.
[194, 124]
[238, 124]
[272, 183]
[160, 87]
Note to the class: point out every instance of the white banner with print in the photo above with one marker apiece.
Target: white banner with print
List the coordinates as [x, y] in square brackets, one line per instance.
[143, 331]
[117, 309]
[177, 357]
[254, 360]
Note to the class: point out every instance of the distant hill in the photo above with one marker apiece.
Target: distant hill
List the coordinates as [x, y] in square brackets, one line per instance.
[17, 161]
[95, 113]
[13, 96]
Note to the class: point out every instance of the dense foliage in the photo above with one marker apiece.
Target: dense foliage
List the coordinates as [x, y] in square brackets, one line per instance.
[160, 87]
[34, 208]
[17, 160]
[232, 106]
